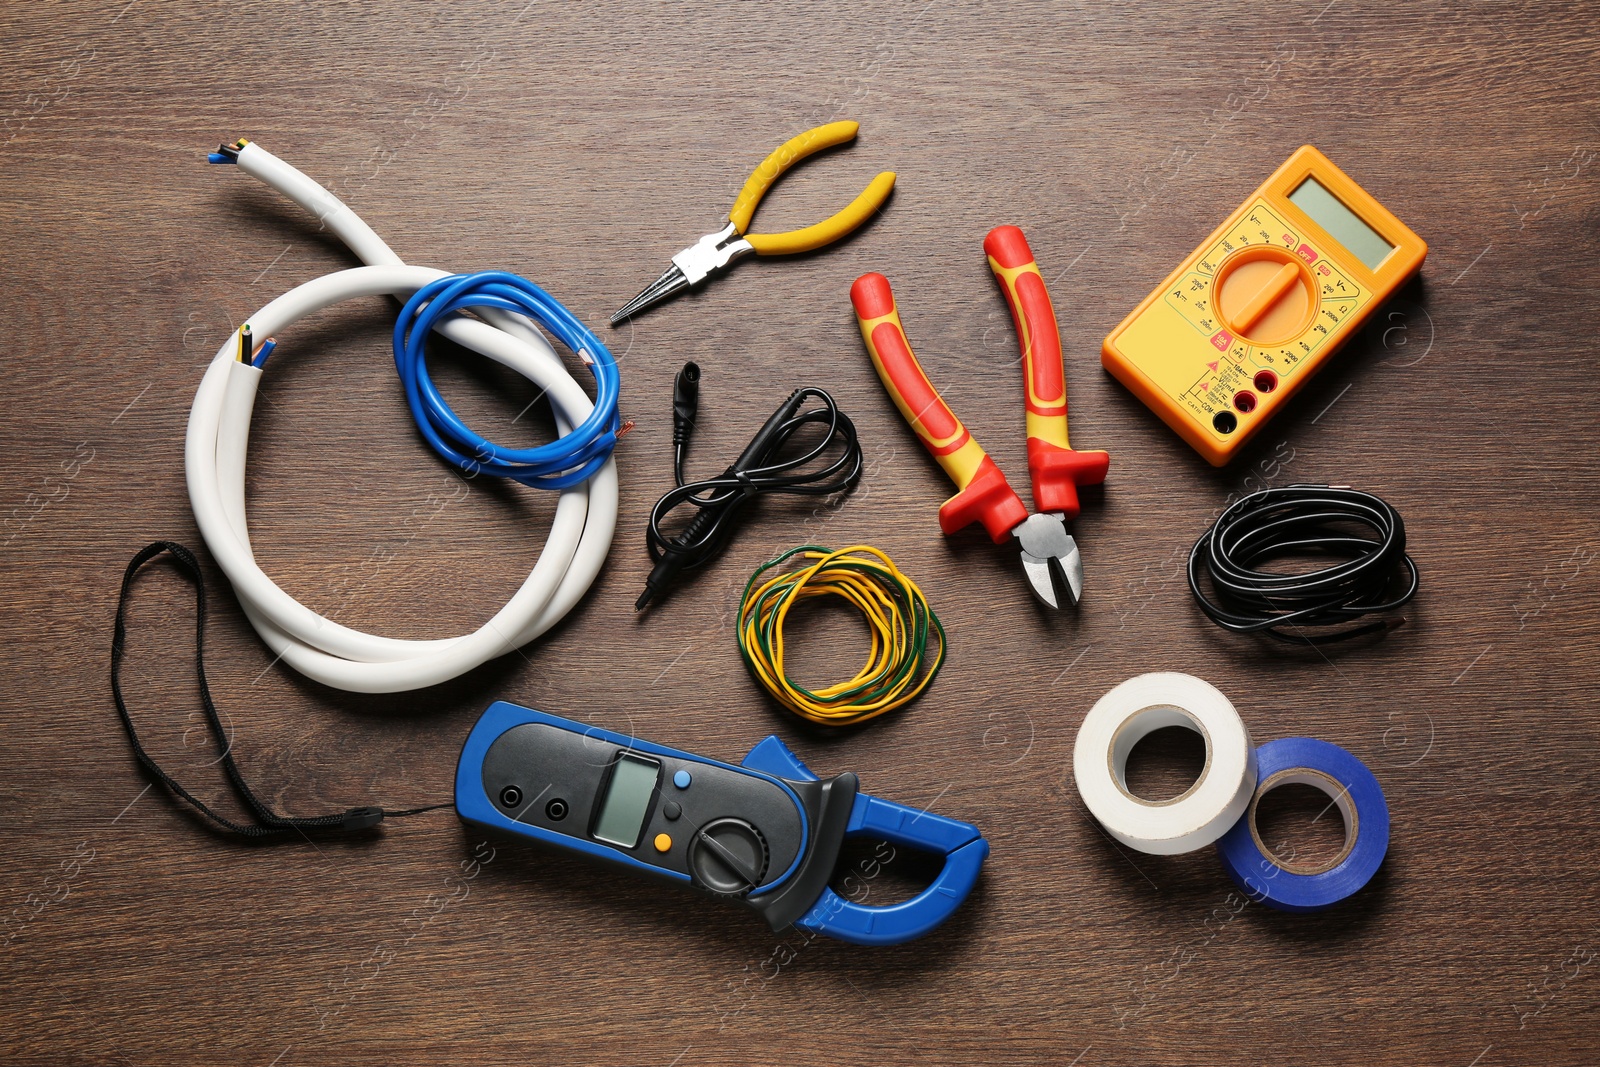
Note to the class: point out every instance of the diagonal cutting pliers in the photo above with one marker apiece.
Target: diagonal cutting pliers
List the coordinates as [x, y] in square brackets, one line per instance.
[1050, 556]
[716, 251]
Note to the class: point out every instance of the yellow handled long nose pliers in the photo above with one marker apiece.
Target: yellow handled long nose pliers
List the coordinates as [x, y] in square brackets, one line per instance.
[715, 251]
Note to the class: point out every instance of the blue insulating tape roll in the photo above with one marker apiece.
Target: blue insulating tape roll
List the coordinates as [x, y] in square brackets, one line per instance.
[1264, 879]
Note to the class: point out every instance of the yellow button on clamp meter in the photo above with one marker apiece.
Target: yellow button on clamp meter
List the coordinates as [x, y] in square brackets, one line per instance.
[1264, 301]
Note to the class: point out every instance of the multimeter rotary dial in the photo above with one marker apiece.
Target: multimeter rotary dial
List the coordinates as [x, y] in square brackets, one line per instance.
[728, 856]
[1266, 295]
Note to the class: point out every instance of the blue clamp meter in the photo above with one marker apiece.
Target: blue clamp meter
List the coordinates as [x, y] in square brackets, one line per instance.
[765, 834]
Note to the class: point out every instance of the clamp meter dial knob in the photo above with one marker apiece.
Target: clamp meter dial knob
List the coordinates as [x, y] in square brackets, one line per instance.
[728, 856]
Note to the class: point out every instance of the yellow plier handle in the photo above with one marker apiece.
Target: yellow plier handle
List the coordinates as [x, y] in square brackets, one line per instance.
[828, 230]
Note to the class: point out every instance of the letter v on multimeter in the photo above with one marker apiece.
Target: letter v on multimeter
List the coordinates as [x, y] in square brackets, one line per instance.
[766, 833]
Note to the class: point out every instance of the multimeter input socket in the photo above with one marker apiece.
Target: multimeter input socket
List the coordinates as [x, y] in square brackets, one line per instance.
[510, 796]
[556, 810]
[1225, 422]
[1245, 400]
[1266, 381]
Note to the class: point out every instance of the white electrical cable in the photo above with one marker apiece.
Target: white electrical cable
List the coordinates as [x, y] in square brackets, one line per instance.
[218, 437]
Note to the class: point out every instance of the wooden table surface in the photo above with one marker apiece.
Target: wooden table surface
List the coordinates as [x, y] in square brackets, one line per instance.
[583, 145]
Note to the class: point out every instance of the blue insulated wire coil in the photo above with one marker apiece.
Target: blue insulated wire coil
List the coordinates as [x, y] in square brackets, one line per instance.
[561, 464]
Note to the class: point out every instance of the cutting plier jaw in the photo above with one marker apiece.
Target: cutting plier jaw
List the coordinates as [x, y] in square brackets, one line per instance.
[1051, 561]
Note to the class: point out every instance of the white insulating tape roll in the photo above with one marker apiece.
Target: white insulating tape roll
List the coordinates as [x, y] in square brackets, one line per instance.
[1124, 716]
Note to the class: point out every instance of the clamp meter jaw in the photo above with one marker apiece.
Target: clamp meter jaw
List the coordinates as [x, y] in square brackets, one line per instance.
[766, 834]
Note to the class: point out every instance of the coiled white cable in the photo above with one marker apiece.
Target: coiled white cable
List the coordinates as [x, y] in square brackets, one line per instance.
[218, 438]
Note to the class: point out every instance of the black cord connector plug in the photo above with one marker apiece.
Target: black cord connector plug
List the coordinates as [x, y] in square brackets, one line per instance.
[719, 501]
[685, 405]
[361, 818]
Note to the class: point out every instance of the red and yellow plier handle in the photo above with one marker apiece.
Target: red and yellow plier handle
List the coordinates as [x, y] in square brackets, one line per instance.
[1056, 468]
[985, 495]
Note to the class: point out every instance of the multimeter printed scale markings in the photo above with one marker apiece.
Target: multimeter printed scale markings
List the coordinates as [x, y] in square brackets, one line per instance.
[1266, 297]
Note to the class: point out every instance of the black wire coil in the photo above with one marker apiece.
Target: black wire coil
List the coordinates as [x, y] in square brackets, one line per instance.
[1367, 537]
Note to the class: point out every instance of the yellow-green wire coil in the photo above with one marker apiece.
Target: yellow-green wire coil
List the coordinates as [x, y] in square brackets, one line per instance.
[897, 668]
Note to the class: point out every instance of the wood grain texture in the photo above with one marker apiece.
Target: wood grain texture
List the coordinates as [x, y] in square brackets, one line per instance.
[582, 145]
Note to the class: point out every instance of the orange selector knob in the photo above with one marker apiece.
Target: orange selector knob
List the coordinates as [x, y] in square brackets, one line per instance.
[1266, 295]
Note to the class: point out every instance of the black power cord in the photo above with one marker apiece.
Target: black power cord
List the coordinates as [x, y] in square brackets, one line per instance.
[1373, 574]
[719, 501]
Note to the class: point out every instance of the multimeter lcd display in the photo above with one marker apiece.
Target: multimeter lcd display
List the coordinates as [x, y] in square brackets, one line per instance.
[633, 780]
[1342, 224]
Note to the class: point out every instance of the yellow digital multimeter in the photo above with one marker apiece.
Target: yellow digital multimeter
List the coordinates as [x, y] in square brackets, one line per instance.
[1255, 311]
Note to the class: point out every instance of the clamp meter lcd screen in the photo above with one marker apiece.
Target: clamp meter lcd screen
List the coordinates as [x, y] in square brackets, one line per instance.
[1342, 224]
[627, 800]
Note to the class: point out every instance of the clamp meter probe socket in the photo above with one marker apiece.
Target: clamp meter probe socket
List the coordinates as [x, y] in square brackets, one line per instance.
[1250, 315]
[765, 834]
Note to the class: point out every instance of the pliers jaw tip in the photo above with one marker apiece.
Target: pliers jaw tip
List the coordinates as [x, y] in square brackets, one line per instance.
[1051, 560]
[669, 284]
[707, 256]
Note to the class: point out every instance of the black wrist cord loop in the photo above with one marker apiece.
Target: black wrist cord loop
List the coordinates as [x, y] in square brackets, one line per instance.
[268, 823]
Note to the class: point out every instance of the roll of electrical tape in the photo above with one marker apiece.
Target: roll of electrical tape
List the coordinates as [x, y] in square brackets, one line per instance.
[1203, 812]
[1351, 786]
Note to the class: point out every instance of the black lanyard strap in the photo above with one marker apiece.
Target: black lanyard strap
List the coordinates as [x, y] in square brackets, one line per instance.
[268, 823]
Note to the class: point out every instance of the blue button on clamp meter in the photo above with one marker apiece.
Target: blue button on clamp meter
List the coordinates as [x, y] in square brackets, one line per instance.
[765, 834]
